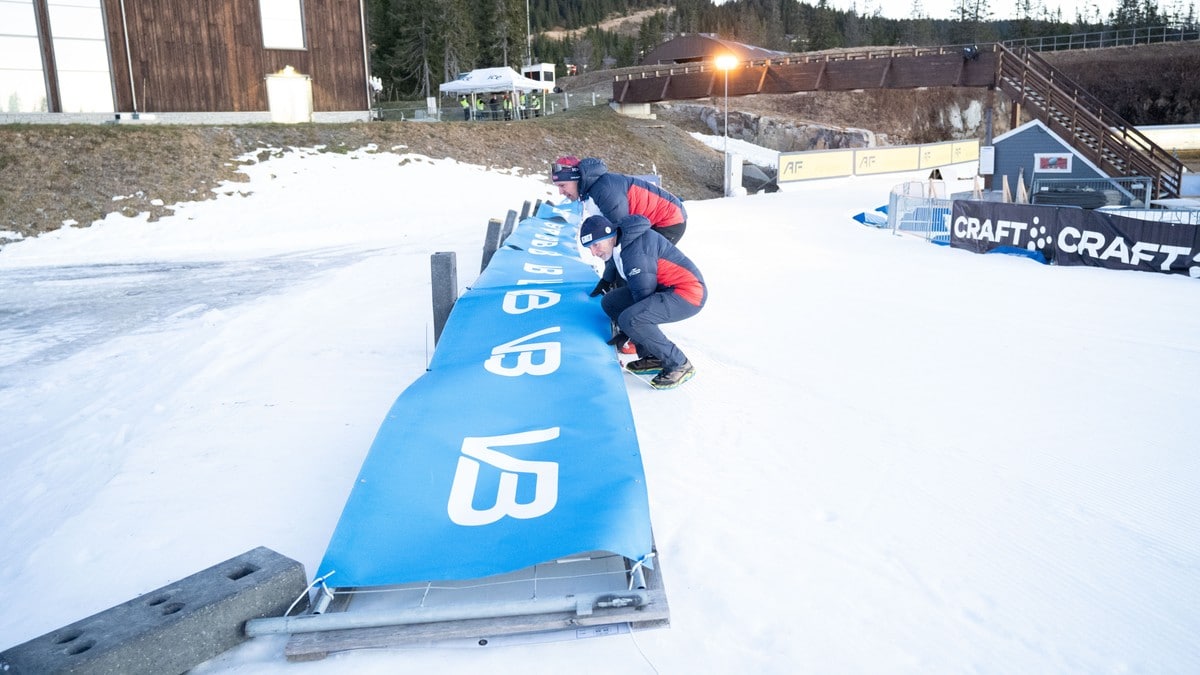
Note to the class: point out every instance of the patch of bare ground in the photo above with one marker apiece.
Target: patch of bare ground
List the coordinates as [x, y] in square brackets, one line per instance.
[51, 175]
[626, 25]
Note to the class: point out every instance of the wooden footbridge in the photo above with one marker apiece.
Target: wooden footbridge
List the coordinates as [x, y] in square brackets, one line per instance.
[1034, 86]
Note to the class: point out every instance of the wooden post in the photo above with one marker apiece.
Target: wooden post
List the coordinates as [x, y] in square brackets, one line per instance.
[491, 241]
[443, 269]
[509, 223]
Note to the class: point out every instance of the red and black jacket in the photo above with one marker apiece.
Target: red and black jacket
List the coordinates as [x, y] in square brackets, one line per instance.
[618, 196]
[650, 264]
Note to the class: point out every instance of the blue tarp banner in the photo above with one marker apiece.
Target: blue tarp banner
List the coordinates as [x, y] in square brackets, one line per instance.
[517, 447]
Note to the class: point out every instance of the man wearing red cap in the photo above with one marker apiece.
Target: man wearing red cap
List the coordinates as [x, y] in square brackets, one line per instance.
[661, 286]
[617, 195]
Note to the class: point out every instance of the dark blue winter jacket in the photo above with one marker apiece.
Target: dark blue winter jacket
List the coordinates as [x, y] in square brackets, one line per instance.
[618, 195]
[649, 263]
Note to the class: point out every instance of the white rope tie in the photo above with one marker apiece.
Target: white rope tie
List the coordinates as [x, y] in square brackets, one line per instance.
[303, 595]
[637, 566]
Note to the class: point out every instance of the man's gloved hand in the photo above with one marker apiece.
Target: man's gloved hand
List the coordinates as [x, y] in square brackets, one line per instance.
[619, 339]
[601, 288]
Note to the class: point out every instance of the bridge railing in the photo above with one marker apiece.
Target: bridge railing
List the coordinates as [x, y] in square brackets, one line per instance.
[1108, 38]
[863, 54]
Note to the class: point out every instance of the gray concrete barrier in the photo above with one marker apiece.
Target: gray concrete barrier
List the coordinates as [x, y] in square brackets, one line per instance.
[172, 629]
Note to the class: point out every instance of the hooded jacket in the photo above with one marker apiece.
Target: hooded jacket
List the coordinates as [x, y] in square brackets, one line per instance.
[650, 264]
[618, 195]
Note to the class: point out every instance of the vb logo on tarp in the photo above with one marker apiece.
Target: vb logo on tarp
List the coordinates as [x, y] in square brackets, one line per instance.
[479, 451]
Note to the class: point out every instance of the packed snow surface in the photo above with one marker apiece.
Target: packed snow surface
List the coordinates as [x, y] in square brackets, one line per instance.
[895, 457]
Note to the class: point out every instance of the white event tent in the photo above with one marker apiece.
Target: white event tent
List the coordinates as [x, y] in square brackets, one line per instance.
[493, 80]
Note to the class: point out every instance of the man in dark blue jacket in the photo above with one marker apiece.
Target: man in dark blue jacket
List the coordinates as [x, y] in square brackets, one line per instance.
[618, 195]
[661, 286]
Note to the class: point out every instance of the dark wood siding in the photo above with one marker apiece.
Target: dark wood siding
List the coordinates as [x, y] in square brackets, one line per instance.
[208, 55]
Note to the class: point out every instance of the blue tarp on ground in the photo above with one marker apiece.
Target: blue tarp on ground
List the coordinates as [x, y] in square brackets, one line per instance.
[876, 218]
[517, 447]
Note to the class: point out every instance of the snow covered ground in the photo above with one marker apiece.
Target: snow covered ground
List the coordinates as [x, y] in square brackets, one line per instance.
[895, 457]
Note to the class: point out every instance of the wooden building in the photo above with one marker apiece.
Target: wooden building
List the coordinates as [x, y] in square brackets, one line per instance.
[699, 47]
[178, 56]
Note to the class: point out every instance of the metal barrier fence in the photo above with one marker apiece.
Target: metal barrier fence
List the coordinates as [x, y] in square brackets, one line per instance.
[1108, 38]
[911, 211]
[1172, 216]
[452, 112]
[1092, 192]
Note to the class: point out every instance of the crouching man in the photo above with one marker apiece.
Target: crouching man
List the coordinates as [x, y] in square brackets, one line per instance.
[661, 286]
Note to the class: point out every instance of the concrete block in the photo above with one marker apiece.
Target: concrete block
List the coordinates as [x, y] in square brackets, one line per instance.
[169, 630]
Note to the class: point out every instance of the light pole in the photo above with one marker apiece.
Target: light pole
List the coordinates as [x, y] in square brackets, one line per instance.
[528, 36]
[726, 62]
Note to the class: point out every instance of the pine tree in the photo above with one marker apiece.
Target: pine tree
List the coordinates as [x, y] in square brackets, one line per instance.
[416, 48]
[650, 33]
[823, 32]
[687, 16]
[582, 55]
[773, 21]
[1126, 15]
[1151, 15]
[499, 38]
[852, 29]
[458, 39]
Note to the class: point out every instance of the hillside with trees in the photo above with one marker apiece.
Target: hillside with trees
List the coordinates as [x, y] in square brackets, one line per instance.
[416, 45]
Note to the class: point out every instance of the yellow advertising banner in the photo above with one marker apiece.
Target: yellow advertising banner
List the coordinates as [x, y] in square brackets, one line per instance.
[965, 151]
[795, 166]
[936, 154]
[870, 161]
[809, 165]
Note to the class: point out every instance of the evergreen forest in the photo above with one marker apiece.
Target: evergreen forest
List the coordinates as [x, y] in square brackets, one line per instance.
[416, 45]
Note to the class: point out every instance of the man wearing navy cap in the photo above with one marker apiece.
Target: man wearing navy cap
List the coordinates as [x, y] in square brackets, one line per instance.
[661, 286]
[617, 195]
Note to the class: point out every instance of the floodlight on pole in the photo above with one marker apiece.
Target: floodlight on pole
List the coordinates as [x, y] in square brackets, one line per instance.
[726, 62]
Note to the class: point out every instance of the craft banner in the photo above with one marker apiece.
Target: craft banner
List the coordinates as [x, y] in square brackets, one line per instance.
[1073, 236]
[516, 448]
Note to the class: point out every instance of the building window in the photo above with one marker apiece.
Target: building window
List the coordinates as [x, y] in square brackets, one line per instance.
[22, 77]
[81, 56]
[282, 23]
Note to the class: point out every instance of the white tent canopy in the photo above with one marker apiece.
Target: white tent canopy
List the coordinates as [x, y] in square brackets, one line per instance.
[493, 79]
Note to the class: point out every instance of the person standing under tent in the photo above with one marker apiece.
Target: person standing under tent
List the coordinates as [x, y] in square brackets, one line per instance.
[661, 286]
